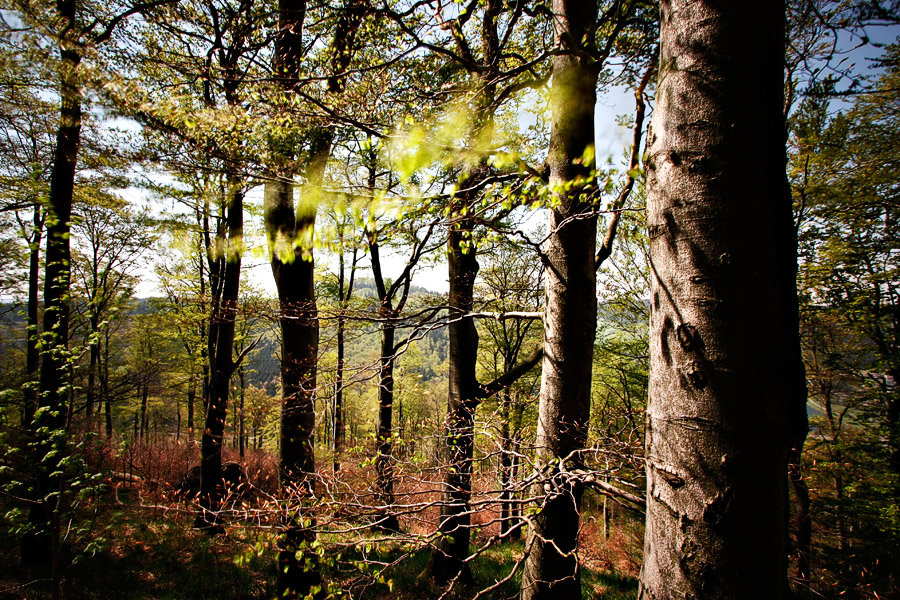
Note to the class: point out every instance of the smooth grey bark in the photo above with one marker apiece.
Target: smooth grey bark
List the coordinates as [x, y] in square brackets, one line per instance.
[551, 565]
[726, 389]
[571, 259]
[447, 560]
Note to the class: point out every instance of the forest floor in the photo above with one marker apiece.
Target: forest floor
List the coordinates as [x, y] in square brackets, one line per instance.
[132, 549]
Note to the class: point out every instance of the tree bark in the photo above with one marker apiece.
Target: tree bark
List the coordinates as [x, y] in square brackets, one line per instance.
[509, 526]
[221, 366]
[384, 457]
[570, 314]
[241, 424]
[726, 381]
[337, 436]
[192, 397]
[345, 289]
[32, 352]
[104, 384]
[803, 544]
[144, 393]
[452, 548]
[288, 235]
[93, 365]
[39, 545]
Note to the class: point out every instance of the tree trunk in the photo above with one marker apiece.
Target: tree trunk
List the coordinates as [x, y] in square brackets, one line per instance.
[803, 544]
[726, 381]
[241, 426]
[840, 502]
[37, 546]
[93, 365]
[447, 560]
[221, 366]
[384, 457]
[192, 397]
[300, 341]
[570, 315]
[104, 384]
[143, 394]
[289, 236]
[344, 293]
[893, 426]
[337, 437]
[32, 352]
[505, 465]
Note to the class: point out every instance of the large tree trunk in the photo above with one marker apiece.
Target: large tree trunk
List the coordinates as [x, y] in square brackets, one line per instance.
[288, 234]
[40, 546]
[221, 365]
[726, 398]
[551, 567]
[452, 548]
[299, 350]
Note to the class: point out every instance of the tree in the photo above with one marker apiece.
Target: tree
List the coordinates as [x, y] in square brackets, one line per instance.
[489, 53]
[110, 239]
[571, 258]
[66, 30]
[392, 299]
[570, 313]
[43, 543]
[727, 390]
[844, 192]
[26, 144]
[289, 231]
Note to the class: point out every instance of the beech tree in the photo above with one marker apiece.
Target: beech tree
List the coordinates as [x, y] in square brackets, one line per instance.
[727, 389]
[570, 258]
[289, 231]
